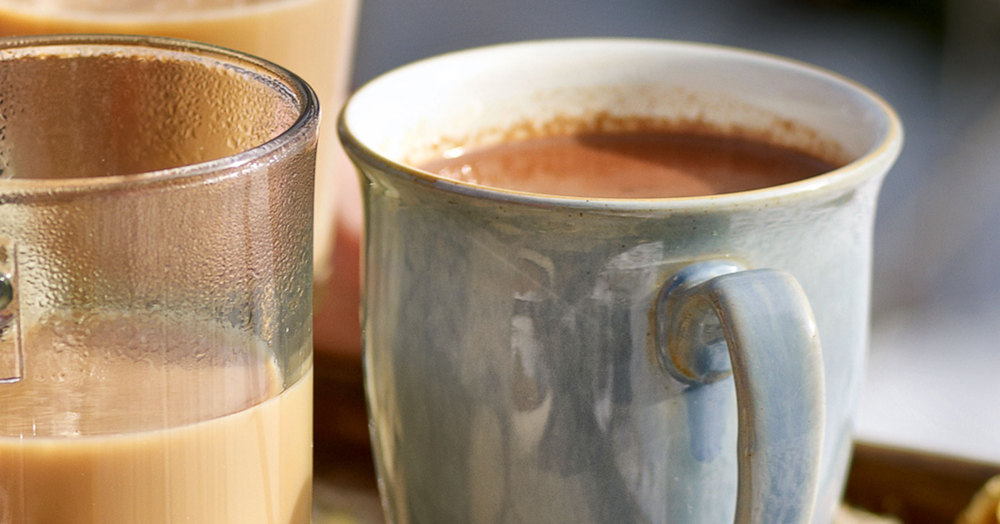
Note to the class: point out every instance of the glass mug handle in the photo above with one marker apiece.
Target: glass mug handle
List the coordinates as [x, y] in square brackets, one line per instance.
[714, 319]
[11, 354]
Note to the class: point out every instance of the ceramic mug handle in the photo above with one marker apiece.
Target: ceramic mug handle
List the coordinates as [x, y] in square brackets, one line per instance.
[715, 319]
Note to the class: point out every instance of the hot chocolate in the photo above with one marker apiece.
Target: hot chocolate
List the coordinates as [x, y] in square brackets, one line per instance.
[631, 165]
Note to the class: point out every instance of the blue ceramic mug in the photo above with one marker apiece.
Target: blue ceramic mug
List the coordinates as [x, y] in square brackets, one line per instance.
[535, 358]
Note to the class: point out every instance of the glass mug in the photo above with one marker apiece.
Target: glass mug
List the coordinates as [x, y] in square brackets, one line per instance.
[541, 358]
[312, 38]
[156, 256]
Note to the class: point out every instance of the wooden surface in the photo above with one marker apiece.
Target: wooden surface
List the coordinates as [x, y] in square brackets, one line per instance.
[917, 488]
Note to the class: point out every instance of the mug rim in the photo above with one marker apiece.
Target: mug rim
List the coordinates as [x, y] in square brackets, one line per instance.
[851, 174]
[305, 125]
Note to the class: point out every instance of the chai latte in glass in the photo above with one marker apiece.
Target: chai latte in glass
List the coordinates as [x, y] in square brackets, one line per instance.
[197, 430]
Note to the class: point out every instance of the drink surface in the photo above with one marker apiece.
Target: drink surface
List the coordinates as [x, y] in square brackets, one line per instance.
[120, 421]
[631, 165]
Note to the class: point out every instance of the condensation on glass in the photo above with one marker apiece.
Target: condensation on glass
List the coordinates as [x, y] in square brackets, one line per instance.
[155, 270]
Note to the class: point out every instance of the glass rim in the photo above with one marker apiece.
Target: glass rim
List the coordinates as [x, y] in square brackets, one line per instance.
[304, 127]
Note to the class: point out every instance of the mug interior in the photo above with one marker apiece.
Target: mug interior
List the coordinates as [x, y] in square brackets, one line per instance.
[444, 105]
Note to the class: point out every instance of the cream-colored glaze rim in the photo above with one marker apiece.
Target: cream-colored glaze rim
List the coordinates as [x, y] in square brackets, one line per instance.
[871, 164]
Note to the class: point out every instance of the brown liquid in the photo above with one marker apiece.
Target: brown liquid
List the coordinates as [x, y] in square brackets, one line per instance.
[638, 165]
[198, 430]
